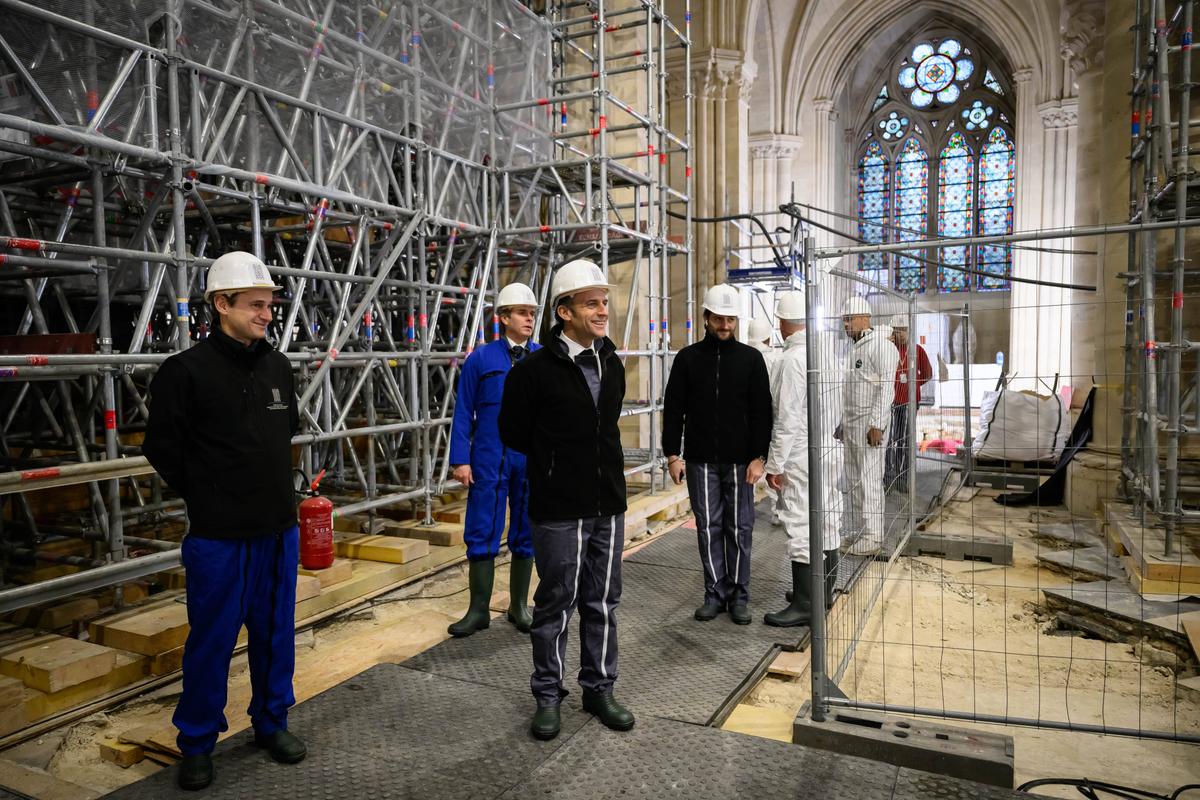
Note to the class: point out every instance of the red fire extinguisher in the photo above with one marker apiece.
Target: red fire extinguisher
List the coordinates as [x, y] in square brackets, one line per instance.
[316, 529]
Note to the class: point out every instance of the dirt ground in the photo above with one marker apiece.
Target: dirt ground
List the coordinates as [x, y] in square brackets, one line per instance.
[975, 637]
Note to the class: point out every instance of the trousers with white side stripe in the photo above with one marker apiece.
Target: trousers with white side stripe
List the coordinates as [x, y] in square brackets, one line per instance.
[724, 507]
[579, 566]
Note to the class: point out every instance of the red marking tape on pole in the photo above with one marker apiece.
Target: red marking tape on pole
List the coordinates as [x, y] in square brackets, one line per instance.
[1177, 300]
[37, 361]
[23, 244]
[333, 354]
[110, 420]
[424, 320]
[39, 474]
[544, 228]
[260, 178]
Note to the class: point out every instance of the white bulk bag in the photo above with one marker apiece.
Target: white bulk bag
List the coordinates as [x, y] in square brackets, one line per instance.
[1021, 426]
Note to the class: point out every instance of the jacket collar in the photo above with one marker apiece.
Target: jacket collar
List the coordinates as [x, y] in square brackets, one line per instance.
[711, 340]
[235, 350]
[555, 344]
[794, 340]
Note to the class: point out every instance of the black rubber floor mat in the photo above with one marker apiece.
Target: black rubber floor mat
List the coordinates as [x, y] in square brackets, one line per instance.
[670, 665]
[389, 732]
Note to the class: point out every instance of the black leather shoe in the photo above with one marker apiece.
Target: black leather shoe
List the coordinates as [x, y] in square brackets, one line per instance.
[546, 723]
[284, 747]
[605, 707]
[708, 611]
[740, 614]
[195, 772]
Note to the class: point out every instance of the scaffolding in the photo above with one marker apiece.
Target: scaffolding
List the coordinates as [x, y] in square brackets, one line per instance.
[393, 161]
[1161, 189]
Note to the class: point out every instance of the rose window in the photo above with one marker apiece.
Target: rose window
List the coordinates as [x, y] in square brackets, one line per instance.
[935, 73]
[893, 126]
[977, 117]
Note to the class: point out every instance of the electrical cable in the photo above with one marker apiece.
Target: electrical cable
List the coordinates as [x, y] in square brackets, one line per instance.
[779, 259]
[900, 229]
[1089, 788]
[792, 209]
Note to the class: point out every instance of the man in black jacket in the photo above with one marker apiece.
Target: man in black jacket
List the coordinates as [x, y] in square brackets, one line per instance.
[222, 417]
[718, 399]
[560, 408]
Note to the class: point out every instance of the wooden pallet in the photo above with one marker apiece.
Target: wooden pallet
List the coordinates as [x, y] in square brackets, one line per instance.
[1145, 545]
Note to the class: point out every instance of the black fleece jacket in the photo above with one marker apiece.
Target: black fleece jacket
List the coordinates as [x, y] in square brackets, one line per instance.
[576, 466]
[222, 417]
[718, 399]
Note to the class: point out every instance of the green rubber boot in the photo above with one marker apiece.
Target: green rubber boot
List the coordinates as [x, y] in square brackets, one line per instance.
[519, 574]
[478, 616]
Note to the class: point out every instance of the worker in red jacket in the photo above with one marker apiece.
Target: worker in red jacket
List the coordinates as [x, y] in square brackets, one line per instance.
[895, 471]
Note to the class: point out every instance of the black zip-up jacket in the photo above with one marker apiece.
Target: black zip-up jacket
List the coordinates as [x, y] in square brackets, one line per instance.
[576, 466]
[718, 399]
[222, 417]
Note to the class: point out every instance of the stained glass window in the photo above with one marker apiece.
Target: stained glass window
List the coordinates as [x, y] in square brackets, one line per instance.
[997, 184]
[956, 180]
[989, 80]
[881, 99]
[936, 74]
[873, 195]
[942, 168]
[912, 211]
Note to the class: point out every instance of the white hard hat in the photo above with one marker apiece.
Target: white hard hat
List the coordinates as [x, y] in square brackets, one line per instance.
[516, 294]
[856, 306]
[759, 330]
[790, 305]
[236, 272]
[575, 276]
[898, 321]
[723, 300]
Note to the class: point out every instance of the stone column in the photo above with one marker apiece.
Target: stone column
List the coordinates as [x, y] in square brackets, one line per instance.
[772, 160]
[826, 162]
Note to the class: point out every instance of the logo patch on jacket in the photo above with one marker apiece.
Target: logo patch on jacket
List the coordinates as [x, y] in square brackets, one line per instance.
[858, 364]
[277, 403]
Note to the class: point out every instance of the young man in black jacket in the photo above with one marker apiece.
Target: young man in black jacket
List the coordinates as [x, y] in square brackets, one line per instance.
[718, 399]
[560, 408]
[222, 417]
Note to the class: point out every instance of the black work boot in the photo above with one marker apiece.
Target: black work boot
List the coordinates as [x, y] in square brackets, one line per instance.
[709, 610]
[740, 614]
[478, 616]
[605, 707]
[546, 722]
[799, 610]
[518, 593]
[195, 772]
[283, 746]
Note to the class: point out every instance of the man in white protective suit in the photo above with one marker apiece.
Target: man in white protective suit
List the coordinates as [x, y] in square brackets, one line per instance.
[867, 389]
[758, 334]
[788, 468]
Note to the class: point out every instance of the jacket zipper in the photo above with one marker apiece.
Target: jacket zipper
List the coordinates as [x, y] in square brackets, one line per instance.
[717, 407]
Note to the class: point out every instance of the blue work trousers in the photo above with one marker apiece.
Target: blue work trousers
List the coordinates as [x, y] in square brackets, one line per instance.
[496, 485]
[231, 582]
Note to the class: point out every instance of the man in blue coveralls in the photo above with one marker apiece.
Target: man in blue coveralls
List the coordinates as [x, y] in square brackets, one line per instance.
[493, 472]
[222, 417]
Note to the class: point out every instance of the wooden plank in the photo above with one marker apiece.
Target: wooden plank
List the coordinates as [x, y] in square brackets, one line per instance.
[766, 723]
[152, 736]
[440, 534]
[1151, 586]
[792, 664]
[340, 570]
[63, 614]
[129, 668]
[389, 549]
[12, 691]
[1146, 545]
[456, 513]
[167, 662]
[1191, 626]
[120, 753]
[35, 783]
[13, 718]
[55, 665]
[307, 587]
[149, 632]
